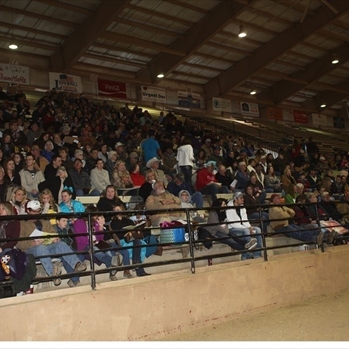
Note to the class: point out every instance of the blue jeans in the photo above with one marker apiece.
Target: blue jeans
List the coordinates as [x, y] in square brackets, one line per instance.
[256, 216]
[94, 192]
[187, 172]
[240, 232]
[150, 239]
[230, 242]
[213, 190]
[59, 248]
[124, 253]
[297, 232]
[197, 199]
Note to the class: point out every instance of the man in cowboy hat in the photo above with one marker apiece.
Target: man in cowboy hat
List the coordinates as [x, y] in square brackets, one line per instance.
[153, 164]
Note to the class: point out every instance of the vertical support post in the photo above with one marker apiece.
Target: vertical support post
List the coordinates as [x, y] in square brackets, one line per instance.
[92, 265]
[191, 242]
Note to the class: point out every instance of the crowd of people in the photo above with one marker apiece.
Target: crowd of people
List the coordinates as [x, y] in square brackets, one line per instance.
[67, 146]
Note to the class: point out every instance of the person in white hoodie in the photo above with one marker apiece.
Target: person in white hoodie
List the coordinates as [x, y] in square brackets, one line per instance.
[185, 158]
[239, 225]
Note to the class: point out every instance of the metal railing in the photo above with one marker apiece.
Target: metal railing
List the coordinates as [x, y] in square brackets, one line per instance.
[190, 243]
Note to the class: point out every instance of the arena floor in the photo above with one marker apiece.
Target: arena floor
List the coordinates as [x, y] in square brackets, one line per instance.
[323, 318]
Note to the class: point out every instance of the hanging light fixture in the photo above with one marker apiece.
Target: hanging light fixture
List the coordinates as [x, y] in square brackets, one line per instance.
[335, 59]
[12, 45]
[253, 92]
[160, 75]
[323, 105]
[242, 32]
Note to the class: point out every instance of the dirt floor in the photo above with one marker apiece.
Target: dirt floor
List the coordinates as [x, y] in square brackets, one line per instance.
[323, 318]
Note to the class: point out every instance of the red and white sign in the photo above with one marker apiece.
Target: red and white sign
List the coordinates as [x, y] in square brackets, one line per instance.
[112, 89]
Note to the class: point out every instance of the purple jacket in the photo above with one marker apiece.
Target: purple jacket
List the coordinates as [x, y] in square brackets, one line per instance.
[82, 241]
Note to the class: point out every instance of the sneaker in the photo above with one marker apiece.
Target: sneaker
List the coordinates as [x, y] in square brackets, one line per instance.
[112, 277]
[116, 261]
[251, 244]
[56, 271]
[331, 236]
[72, 283]
[80, 267]
[320, 238]
[127, 274]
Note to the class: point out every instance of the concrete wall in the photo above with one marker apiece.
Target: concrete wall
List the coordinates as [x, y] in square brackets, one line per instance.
[152, 307]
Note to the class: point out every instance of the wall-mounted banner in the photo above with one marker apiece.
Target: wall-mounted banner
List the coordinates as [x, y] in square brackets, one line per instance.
[221, 104]
[14, 74]
[287, 115]
[65, 82]
[319, 119]
[249, 109]
[112, 89]
[300, 117]
[338, 122]
[189, 99]
[153, 94]
[274, 113]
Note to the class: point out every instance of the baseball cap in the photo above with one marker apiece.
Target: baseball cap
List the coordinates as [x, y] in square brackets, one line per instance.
[208, 140]
[118, 144]
[34, 205]
[210, 163]
[238, 195]
[133, 155]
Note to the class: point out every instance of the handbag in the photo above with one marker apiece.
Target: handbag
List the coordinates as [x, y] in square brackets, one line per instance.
[103, 245]
[174, 232]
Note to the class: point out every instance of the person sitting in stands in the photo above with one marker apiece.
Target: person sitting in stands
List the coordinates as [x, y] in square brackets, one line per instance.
[272, 181]
[81, 226]
[108, 200]
[99, 177]
[287, 178]
[121, 177]
[253, 208]
[81, 180]
[179, 184]
[68, 205]
[161, 199]
[146, 188]
[220, 229]
[137, 179]
[153, 164]
[139, 250]
[242, 176]
[239, 225]
[31, 177]
[278, 212]
[42, 247]
[206, 181]
[224, 176]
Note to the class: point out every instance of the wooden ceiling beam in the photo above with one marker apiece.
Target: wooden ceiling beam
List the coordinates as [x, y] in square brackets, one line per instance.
[66, 6]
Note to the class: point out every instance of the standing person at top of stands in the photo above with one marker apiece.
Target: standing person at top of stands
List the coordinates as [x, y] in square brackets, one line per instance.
[31, 177]
[99, 176]
[81, 180]
[161, 199]
[151, 147]
[153, 164]
[206, 181]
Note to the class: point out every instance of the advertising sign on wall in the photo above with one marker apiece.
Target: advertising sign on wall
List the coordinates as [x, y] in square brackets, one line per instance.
[249, 109]
[319, 119]
[65, 82]
[14, 74]
[338, 122]
[153, 94]
[300, 117]
[189, 99]
[274, 113]
[221, 104]
[112, 89]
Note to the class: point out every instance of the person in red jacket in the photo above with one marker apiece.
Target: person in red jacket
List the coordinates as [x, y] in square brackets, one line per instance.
[206, 181]
[137, 179]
